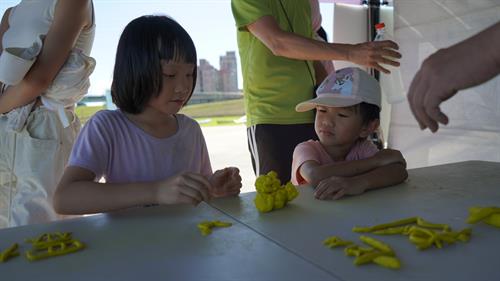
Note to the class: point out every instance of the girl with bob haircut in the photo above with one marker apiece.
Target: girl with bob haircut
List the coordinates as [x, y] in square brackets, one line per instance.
[146, 152]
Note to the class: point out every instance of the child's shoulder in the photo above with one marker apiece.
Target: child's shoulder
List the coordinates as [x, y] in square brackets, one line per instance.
[106, 114]
[309, 144]
[187, 122]
[107, 117]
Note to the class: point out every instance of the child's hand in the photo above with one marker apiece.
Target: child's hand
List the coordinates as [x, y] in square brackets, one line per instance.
[334, 188]
[226, 182]
[183, 188]
[390, 156]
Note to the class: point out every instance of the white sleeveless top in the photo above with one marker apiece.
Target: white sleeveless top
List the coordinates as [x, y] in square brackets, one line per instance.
[29, 22]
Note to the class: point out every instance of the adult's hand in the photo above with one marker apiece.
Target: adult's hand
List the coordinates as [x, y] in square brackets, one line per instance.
[444, 73]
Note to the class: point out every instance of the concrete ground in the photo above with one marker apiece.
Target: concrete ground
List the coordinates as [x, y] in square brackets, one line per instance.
[227, 146]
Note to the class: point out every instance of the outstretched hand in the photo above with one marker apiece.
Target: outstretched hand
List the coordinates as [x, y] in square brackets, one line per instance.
[225, 182]
[447, 71]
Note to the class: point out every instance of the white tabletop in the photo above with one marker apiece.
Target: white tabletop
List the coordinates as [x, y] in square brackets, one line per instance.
[439, 194]
[157, 243]
[164, 242]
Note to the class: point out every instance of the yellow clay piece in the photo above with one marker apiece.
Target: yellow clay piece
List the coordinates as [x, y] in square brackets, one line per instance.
[271, 195]
[356, 251]
[493, 219]
[423, 223]
[367, 257]
[334, 241]
[379, 245]
[422, 233]
[490, 215]
[379, 252]
[388, 261]
[54, 248]
[205, 227]
[9, 253]
[391, 230]
[385, 225]
[50, 237]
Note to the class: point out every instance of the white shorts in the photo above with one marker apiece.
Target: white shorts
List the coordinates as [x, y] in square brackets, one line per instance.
[31, 164]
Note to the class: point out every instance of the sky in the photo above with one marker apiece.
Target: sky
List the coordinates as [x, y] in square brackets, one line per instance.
[209, 23]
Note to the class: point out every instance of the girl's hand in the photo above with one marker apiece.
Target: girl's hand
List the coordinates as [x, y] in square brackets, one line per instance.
[334, 188]
[183, 188]
[225, 182]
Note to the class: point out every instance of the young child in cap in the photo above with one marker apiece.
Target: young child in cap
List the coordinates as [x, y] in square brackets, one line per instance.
[344, 161]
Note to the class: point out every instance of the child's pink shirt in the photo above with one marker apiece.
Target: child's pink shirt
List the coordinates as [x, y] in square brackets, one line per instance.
[313, 151]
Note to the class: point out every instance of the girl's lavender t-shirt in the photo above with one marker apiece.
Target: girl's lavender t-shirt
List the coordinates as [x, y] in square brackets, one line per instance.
[313, 150]
[113, 147]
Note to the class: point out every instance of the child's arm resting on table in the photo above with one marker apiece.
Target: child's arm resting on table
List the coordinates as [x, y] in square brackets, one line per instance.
[336, 187]
[314, 173]
[78, 193]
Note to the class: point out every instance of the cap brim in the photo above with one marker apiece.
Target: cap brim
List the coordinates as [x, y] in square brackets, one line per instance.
[338, 101]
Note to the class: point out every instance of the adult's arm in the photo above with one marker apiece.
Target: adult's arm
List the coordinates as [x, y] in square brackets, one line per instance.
[4, 25]
[290, 45]
[69, 19]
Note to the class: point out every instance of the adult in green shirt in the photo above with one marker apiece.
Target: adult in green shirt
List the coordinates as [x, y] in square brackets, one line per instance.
[277, 53]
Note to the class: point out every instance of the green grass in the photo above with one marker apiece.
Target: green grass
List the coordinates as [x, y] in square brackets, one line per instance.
[85, 112]
[213, 109]
[207, 114]
[218, 121]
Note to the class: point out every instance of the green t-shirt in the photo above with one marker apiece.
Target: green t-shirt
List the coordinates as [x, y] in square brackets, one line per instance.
[273, 85]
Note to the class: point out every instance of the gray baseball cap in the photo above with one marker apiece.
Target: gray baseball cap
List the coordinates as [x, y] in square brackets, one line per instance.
[345, 87]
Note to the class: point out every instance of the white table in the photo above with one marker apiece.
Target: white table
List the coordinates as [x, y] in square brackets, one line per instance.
[157, 243]
[164, 242]
[440, 194]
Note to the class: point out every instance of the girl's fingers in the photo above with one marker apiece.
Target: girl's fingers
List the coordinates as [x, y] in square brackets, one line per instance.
[199, 183]
[191, 193]
[187, 199]
[339, 194]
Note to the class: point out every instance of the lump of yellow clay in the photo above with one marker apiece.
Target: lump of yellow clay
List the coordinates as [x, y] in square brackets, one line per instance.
[271, 195]
[489, 215]
[264, 202]
[205, 227]
[267, 183]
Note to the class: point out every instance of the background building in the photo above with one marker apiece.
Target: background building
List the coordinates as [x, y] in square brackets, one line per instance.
[228, 72]
[225, 80]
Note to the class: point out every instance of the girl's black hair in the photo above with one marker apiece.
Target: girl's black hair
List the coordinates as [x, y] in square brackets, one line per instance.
[145, 41]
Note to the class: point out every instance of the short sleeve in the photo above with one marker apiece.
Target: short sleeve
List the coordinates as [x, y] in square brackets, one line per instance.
[303, 152]
[92, 147]
[246, 12]
[367, 149]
